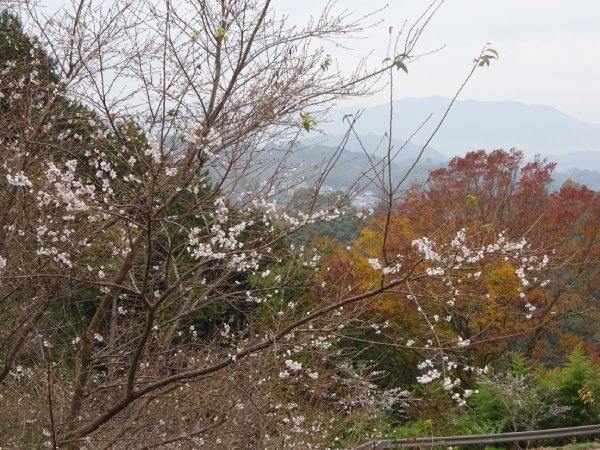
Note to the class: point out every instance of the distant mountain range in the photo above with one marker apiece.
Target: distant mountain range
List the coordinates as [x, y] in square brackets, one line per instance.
[353, 164]
[377, 145]
[471, 125]
[577, 160]
[475, 125]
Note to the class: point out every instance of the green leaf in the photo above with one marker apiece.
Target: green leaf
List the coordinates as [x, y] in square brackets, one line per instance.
[486, 227]
[471, 200]
[399, 63]
[308, 121]
[325, 64]
[222, 34]
[486, 57]
[195, 35]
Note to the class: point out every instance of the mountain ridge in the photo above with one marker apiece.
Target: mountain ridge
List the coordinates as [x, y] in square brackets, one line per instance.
[475, 125]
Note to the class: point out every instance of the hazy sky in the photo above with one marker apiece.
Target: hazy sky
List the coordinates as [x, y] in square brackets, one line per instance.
[549, 49]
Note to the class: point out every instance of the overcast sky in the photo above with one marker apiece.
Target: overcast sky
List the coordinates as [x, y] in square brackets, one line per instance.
[549, 49]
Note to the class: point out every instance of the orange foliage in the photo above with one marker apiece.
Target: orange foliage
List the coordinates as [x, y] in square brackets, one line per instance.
[485, 194]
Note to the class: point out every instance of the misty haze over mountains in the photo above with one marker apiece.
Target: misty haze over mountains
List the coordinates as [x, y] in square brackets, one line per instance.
[471, 125]
[476, 125]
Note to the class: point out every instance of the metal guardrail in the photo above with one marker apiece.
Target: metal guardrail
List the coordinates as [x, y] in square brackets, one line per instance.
[479, 439]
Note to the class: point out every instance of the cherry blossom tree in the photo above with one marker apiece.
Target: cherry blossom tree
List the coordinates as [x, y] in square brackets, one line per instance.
[149, 295]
